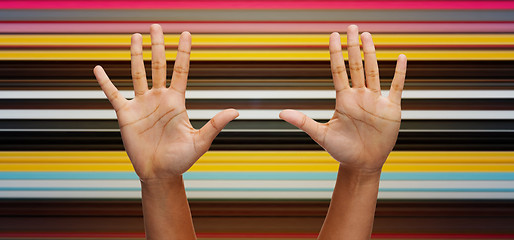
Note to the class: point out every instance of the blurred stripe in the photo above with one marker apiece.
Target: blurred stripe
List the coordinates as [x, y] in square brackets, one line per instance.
[450, 174]
[262, 4]
[256, 15]
[262, 94]
[255, 55]
[262, 161]
[24, 26]
[245, 114]
[259, 40]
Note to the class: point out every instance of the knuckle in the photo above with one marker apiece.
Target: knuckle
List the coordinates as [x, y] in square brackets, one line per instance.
[304, 121]
[353, 45]
[186, 51]
[181, 69]
[399, 73]
[214, 124]
[138, 74]
[136, 53]
[139, 92]
[372, 73]
[158, 65]
[338, 51]
[396, 86]
[356, 66]
[114, 95]
[369, 51]
[339, 70]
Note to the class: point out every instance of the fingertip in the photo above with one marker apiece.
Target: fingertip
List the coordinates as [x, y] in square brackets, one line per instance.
[155, 26]
[402, 57]
[366, 35]
[353, 28]
[185, 36]
[137, 36]
[97, 69]
[232, 112]
[334, 35]
[284, 113]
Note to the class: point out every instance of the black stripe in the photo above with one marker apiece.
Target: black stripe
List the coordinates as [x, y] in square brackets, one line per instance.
[407, 141]
[76, 75]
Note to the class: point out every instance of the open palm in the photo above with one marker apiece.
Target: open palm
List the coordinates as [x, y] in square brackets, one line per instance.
[365, 124]
[155, 128]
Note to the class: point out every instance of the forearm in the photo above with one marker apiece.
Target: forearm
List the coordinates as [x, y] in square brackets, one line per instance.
[166, 210]
[352, 209]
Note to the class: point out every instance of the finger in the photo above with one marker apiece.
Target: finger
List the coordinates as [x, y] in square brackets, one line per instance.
[354, 57]
[395, 93]
[114, 96]
[370, 61]
[181, 67]
[339, 75]
[158, 57]
[212, 128]
[303, 122]
[138, 66]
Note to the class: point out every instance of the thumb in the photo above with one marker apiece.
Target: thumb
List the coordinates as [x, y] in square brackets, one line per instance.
[303, 122]
[211, 129]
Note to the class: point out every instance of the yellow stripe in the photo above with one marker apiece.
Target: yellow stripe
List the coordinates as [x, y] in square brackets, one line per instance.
[259, 157]
[121, 40]
[262, 161]
[258, 55]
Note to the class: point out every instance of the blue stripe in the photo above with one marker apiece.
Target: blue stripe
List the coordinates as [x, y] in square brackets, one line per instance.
[267, 189]
[259, 175]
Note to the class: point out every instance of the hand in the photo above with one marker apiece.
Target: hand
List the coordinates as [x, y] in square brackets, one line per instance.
[155, 128]
[365, 124]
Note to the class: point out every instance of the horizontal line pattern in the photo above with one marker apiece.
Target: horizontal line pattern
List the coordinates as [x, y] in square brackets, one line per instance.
[60, 144]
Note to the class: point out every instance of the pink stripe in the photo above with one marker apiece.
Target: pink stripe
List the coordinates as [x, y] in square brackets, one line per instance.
[254, 27]
[262, 4]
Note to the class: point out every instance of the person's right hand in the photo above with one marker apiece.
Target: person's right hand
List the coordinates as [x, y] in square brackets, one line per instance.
[155, 128]
[365, 124]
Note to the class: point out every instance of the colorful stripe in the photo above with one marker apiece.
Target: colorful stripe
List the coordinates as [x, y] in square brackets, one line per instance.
[253, 55]
[196, 27]
[262, 4]
[258, 40]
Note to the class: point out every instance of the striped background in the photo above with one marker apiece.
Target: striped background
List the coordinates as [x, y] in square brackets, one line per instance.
[64, 174]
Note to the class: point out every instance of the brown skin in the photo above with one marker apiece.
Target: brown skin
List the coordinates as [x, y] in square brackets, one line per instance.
[360, 135]
[158, 137]
[162, 144]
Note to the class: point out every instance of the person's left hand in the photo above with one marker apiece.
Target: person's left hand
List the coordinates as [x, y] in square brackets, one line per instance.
[155, 128]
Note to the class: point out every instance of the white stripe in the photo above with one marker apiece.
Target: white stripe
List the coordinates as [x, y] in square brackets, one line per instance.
[244, 130]
[258, 94]
[256, 184]
[253, 195]
[245, 114]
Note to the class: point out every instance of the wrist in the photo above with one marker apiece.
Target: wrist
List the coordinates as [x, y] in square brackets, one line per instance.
[160, 180]
[360, 176]
[161, 187]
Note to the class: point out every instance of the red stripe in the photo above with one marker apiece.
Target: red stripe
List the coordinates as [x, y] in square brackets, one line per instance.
[262, 4]
[259, 235]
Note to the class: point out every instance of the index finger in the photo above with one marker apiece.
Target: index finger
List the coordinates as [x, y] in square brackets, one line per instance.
[337, 63]
[181, 67]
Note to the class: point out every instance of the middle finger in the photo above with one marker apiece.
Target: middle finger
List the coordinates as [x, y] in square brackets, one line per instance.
[354, 57]
[158, 57]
